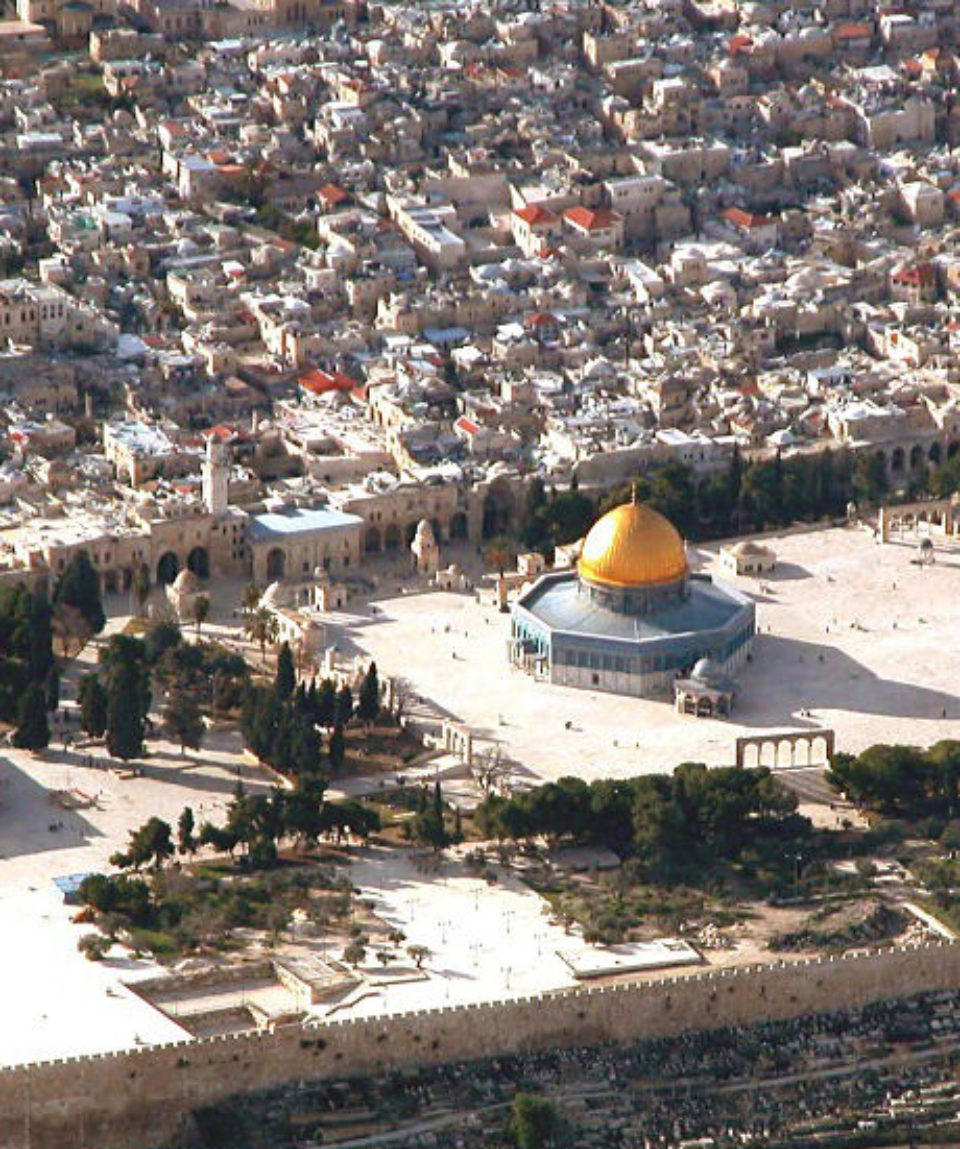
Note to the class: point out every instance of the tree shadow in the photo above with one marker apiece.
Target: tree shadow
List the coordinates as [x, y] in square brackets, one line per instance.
[788, 676]
[27, 812]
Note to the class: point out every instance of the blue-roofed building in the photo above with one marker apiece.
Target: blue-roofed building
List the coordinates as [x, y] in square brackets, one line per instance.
[631, 619]
[295, 541]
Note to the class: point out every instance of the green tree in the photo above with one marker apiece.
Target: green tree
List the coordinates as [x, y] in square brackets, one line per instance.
[93, 705]
[535, 531]
[369, 701]
[161, 637]
[251, 597]
[51, 688]
[33, 730]
[33, 634]
[326, 706]
[154, 840]
[201, 610]
[261, 627]
[570, 515]
[418, 954]
[336, 750]
[354, 953]
[186, 838]
[79, 587]
[533, 1121]
[498, 553]
[183, 720]
[343, 711]
[870, 481]
[286, 677]
[125, 717]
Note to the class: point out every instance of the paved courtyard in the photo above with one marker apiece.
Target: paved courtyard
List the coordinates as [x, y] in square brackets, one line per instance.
[57, 1003]
[854, 636]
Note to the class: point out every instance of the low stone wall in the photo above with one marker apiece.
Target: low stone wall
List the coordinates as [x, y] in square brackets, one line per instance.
[138, 1099]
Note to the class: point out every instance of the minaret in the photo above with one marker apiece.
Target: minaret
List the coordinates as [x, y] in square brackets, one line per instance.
[216, 476]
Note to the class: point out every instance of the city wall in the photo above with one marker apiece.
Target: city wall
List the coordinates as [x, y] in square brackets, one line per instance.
[140, 1098]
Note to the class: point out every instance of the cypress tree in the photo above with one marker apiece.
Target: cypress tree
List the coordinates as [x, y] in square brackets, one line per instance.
[125, 724]
[79, 587]
[337, 749]
[93, 705]
[326, 703]
[34, 635]
[369, 702]
[51, 688]
[343, 710]
[286, 678]
[304, 747]
[280, 755]
[33, 730]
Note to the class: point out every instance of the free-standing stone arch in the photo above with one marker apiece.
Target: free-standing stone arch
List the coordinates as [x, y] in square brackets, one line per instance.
[787, 748]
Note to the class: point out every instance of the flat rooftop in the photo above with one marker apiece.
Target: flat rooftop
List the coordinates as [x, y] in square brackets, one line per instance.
[299, 521]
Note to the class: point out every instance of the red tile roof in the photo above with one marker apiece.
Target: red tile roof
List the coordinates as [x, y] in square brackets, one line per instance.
[583, 217]
[535, 215]
[332, 195]
[320, 382]
[745, 219]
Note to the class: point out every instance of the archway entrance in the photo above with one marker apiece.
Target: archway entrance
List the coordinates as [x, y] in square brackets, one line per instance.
[391, 537]
[276, 564]
[459, 526]
[371, 541]
[167, 568]
[498, 510]
[198, 562]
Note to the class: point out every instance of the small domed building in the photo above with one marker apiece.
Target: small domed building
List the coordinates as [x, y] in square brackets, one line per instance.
[631, 619]
[182, 594]
[426, 553]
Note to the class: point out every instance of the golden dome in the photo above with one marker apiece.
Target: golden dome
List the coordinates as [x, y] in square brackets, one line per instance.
[632, 546]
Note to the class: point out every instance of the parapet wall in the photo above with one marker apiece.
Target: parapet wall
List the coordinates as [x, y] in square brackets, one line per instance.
[139, 1099]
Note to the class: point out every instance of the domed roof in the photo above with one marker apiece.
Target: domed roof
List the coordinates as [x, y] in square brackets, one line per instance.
[632, 546]
[706, 670]
[186, 582]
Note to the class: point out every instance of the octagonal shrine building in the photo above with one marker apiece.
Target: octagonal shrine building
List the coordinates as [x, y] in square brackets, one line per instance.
[631, 619]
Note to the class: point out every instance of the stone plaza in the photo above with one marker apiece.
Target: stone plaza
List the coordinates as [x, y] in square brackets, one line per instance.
[851, 636]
